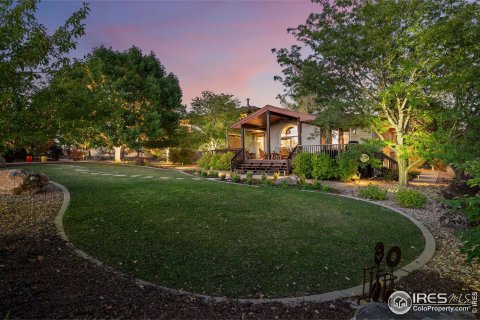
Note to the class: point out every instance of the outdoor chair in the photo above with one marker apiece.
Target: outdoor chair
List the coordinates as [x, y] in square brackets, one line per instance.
[284, 153]
[261, 154]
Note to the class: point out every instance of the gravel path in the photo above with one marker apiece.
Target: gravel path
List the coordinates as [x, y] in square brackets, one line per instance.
[448, 269]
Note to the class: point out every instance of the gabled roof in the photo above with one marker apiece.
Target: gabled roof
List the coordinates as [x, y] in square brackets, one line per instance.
[258, 117]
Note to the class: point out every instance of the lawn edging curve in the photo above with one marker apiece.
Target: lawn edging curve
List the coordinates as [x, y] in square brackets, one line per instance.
[420, 261]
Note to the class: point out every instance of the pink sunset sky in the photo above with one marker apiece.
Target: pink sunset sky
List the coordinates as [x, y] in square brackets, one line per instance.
[221, 46]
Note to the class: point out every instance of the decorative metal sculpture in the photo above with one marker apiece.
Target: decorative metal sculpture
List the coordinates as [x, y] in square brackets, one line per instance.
[380, 280]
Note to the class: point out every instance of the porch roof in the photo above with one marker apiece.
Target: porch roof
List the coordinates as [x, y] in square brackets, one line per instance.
[259, 117]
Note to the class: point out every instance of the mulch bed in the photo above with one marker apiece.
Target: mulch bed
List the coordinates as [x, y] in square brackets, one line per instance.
[40, 277]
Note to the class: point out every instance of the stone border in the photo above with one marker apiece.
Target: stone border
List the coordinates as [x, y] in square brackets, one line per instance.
[420, 261]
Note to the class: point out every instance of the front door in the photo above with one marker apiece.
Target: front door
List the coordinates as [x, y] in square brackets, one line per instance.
[260, 145]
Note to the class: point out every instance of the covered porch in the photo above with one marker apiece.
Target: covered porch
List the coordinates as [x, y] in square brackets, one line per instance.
[270, 133]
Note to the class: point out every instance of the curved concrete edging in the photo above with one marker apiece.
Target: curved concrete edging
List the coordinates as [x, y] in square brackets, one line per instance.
[421, 260]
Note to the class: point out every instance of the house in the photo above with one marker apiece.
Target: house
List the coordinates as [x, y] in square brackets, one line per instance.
[267, 139]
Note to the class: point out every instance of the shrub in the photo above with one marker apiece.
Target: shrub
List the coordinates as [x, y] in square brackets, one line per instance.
[181, 155]
[325, 188]
[471, 207]
[140, 162]
[301, 180]
[389, 175]
[213, 174]
[223, 176]
[276, 175]
[323, 167]
[215, 161]
[249, 177]
[284, 184]
[223, 162]
[373, 192]
[348, 165]
[302, 164]
[204, 160]
[410, 198]
[413, 174]
[235, 177]
[317, 185]
[15, 154]
[203, 174]
[264, 177]
[54, 152]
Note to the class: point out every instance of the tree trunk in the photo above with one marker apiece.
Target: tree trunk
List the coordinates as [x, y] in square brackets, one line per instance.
[118, 152]
[402, 162]
[403, 172]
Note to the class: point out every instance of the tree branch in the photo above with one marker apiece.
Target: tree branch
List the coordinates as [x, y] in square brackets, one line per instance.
[415, 163]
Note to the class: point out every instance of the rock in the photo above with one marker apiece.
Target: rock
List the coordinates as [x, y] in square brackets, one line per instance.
[455, 221]
[3, 162]
[21, 182]
[292, 180]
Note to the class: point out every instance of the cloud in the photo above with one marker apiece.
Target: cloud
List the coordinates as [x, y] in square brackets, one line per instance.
[217, 46]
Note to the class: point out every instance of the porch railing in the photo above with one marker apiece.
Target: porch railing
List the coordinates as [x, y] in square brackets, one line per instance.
[239, 156]
[387, 161]
[334, 150]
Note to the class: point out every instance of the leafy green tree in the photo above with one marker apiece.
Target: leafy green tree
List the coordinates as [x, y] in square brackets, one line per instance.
[383, 60]
[30, 56]
[211, 116]
[119, 99]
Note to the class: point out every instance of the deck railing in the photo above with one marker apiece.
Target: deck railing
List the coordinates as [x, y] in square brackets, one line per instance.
[387, 161]
[334, 150]
[239, 156]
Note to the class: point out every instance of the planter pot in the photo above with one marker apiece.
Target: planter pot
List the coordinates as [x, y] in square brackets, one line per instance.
[29, 159]
[43, 159]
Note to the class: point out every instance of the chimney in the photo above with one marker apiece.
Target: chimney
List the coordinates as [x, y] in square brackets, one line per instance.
[248, 102]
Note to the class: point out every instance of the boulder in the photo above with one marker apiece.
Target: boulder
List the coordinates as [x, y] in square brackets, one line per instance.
[292, 180]
[455, 221]
[3, 162]
[21, 182]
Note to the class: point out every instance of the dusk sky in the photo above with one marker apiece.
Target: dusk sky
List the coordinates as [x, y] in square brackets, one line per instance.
[221, 46]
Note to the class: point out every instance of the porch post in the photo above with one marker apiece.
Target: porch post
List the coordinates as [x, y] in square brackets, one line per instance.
[268, 136]
[243, 140]
[228, 140]
[299, 130]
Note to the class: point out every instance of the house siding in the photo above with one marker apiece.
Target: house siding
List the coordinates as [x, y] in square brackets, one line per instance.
[361, 133]
[310, 136]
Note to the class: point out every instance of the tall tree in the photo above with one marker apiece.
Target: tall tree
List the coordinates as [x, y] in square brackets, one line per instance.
[381, 60]
[29, 56]
[211, 115]
[122, 99]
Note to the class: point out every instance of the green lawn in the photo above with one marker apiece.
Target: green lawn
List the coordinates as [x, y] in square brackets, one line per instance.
[225, 239]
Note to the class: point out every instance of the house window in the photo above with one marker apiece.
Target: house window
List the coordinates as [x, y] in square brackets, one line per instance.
[289, 137]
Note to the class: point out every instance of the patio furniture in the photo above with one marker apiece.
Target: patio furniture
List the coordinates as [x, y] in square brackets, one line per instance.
[261, 154]
[284, 153]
